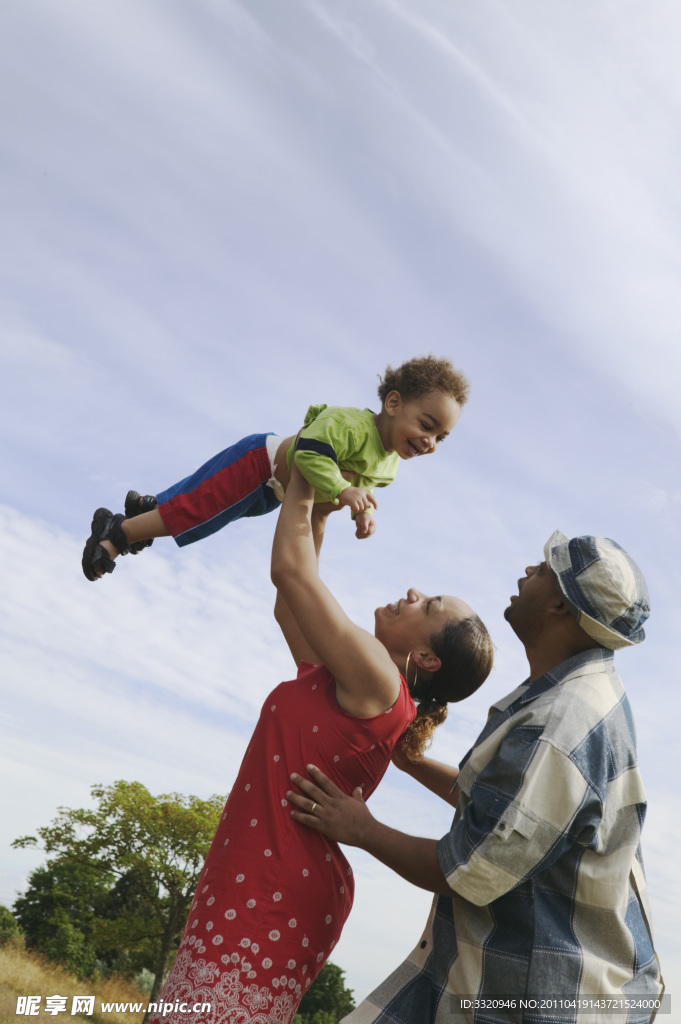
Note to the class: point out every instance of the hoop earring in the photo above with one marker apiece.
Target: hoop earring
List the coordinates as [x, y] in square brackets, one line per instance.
[406, 674]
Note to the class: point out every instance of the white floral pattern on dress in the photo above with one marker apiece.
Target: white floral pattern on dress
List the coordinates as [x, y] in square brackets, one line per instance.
[259, 965]
[233, 993]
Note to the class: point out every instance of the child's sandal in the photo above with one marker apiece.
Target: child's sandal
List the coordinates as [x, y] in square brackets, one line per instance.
[135, 505]
[105, 526]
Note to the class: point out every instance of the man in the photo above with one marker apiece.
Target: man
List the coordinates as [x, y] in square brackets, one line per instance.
[542, 892]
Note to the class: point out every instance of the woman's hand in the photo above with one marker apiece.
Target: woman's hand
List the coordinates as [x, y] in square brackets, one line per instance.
[400, 759]
[439, 778]
[325, 808]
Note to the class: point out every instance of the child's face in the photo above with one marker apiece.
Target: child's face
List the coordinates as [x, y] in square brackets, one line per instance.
[417, 426]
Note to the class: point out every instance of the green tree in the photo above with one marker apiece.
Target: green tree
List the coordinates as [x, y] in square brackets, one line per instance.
[9, 928]
[58, 910]
[327, 1000]
[147, 852]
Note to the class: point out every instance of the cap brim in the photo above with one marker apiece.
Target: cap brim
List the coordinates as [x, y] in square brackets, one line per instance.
[603, 635]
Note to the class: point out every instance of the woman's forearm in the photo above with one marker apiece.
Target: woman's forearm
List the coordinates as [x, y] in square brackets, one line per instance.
[367, 680]
[294, 549]
[439, 778]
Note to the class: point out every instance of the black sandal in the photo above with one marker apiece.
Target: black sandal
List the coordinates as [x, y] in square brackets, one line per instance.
[135, 505]
[105, 526]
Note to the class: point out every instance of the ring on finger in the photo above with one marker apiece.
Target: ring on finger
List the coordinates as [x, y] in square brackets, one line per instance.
[313, 807]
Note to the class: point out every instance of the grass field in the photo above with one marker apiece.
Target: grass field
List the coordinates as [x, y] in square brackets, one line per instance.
[25, 974]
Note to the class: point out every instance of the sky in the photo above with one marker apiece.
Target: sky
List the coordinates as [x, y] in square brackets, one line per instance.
[216, 214]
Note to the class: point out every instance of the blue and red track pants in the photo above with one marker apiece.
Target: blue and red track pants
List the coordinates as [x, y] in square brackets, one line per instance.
[229, 486]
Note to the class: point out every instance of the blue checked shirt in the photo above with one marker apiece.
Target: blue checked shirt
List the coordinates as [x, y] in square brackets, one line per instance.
[543, 858]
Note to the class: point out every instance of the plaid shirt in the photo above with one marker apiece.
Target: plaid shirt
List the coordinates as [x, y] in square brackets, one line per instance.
[543, 857]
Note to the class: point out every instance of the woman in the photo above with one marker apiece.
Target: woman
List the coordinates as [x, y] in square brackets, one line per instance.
[273, 897]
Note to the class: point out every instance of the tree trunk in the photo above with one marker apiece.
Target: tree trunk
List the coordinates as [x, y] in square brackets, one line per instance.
[161, 963]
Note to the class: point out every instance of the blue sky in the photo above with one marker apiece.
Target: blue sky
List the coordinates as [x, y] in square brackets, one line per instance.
[217, 213]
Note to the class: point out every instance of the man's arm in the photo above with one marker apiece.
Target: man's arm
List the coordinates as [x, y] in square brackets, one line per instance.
[346, 819]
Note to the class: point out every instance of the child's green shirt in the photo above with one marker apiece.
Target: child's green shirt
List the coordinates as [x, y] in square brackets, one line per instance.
[335, 439]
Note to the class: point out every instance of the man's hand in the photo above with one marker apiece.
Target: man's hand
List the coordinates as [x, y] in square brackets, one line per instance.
[346, 819]
[325, 808]
[357, 499]
[365, 525]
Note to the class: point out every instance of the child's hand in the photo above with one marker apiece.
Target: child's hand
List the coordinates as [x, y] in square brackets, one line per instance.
[357, 499]
[365, 525]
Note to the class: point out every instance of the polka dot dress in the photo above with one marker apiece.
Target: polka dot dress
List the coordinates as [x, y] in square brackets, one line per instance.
[273, 896]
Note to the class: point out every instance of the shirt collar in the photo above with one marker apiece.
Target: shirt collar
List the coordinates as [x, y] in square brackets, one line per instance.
[596, 659]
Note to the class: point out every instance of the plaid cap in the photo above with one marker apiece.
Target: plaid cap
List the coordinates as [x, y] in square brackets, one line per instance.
[603, 585]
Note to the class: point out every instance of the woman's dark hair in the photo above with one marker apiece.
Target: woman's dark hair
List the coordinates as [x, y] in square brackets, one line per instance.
[466, 651]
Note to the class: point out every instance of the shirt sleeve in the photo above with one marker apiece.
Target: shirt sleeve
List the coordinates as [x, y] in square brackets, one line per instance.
[324, 441]
[526, 807]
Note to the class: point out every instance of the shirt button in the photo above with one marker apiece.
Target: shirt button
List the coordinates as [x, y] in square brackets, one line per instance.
[424, 944]
[502, 826]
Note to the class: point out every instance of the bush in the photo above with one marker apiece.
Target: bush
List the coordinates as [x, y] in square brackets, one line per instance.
[145, 980]
[327, 1000]
[10, 931]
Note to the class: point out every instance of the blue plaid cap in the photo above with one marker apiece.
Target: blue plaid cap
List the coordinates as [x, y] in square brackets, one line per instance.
[603, 585]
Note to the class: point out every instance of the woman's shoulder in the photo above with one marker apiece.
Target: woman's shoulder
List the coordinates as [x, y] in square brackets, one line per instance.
[393, 720]
[315, 670]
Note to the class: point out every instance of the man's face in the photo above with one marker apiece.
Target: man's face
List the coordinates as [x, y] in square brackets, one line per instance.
[536, 590]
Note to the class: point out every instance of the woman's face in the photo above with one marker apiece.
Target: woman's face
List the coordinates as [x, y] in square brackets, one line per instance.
[405, 625]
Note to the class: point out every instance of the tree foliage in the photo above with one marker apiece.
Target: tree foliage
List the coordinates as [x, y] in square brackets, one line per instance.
[118, 889]
[58, 909]
[9, 927]
[327, 1000]
[115, 894]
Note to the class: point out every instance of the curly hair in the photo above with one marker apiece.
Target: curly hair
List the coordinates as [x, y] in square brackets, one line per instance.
[466, 651]
[419, 376]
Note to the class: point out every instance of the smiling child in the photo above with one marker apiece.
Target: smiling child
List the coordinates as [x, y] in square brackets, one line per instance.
[343, 452]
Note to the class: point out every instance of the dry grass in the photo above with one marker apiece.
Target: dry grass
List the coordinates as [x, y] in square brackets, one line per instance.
[26, 974]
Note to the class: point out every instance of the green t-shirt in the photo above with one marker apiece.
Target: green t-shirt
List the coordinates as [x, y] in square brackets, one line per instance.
[334, 439]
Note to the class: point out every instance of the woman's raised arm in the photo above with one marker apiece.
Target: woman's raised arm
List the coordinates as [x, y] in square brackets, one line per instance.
[366, 677]
[297, 644]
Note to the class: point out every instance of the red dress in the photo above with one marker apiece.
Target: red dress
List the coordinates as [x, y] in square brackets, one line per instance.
[273, 895]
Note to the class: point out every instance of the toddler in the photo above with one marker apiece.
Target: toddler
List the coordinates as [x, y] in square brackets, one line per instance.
[343, 452]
